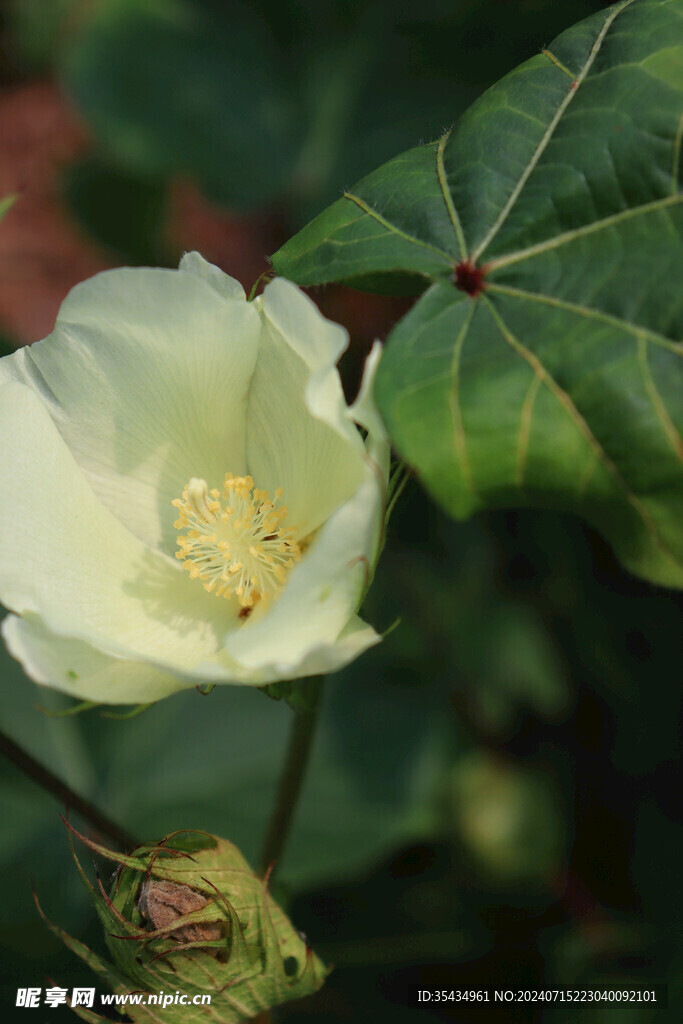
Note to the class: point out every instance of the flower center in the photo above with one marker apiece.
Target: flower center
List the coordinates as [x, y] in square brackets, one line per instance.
[235, 542]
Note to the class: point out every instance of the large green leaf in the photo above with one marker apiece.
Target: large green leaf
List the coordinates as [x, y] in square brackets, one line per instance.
[542, 366]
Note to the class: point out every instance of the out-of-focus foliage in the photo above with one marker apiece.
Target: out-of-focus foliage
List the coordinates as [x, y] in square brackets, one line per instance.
[37, 30]
[172, 87]
[97, 193]
[275, 103]
[509, 818]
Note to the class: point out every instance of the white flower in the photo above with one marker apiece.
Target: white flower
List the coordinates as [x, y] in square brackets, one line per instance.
[163, 387]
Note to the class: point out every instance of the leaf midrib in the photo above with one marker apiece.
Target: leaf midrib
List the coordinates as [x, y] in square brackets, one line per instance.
[549, 132]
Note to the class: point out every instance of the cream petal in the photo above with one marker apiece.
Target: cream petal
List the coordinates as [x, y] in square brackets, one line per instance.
[365, 412]
[67, 559]
[324, 658]
[81, 671]
[298, 435]
[225, 286]
[320, 343]
[146, 376]
[323, 591]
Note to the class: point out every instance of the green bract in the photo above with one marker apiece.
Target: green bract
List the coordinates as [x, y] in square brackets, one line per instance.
[154, 385]
[543, 364]
[188, 914]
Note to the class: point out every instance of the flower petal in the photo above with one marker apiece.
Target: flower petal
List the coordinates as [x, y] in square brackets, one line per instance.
[322, 659]
[79, 670]
[365, 412]
[146, 376]
[298, 435]
[224, 285]
[67, 559]
[355, 638]
[322, 594]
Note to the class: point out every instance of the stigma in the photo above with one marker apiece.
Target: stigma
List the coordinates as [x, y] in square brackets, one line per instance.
[235, 541]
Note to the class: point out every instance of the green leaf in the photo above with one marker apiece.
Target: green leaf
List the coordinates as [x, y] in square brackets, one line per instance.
[542, 366]
[169, 87]
[301, 695]
[215, 761]
[120, 211]
[36, 30]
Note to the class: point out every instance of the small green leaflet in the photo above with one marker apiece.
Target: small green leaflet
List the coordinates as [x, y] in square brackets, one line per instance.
[542, 366]
[6, 202]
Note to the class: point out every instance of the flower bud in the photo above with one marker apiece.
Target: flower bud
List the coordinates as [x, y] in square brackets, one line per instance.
[188, 915]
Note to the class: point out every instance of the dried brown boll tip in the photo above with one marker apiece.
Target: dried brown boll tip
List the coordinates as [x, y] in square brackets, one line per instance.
[162, 902]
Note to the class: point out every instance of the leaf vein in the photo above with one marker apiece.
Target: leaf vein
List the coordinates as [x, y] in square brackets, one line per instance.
[579, 421]
[550, 130]
[660, 408]
[590, 314]
[459, 437]
[588, 229]
[448, 198]
[395, 230]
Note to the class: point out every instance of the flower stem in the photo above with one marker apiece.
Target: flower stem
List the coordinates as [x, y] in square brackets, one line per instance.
[296, 759]
[53, 784]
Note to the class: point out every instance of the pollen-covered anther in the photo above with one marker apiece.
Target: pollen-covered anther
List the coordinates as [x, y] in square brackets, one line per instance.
[235, 542]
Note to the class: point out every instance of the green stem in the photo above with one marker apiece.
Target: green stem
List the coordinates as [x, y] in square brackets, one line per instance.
[296, 759]
[103, 825]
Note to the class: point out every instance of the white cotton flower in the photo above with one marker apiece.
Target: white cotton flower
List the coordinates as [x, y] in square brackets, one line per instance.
[186, 498]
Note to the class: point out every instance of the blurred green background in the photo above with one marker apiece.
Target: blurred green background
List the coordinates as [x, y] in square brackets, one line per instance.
[493, 799]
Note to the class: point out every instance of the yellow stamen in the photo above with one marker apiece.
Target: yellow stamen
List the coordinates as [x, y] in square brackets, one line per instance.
[236, 537]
